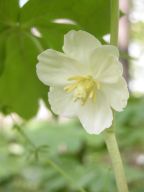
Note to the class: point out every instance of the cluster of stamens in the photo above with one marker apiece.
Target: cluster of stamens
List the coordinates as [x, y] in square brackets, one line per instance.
[83, 88]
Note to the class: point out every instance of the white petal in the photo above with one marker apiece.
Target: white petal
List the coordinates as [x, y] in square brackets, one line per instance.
[62, 103]
[96, 117]
[105, 65]
[54, 68]
[117, 94]
[79, 45]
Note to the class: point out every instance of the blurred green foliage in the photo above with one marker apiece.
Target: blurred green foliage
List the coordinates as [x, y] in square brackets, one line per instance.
[83, 157]
[137, 32]
[19, 45]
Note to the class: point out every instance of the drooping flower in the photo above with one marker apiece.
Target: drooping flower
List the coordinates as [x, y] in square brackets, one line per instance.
[85, 81]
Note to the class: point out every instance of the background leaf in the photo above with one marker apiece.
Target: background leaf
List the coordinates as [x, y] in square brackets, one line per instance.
[20, 87]
[92, 16]
[9, 11]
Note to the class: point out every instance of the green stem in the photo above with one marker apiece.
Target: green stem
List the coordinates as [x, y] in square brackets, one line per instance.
[23, 134]
[114, 153]
[109, 134]
[63, 173]
[114, 22]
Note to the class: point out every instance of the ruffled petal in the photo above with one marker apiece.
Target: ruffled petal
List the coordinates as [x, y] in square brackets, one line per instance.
[104, 64]
[79, 45]
[54, 68]
[117, 94]
[62, 103]
[96, 117]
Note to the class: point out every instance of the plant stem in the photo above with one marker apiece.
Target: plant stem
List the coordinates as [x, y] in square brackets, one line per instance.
[109, 134]
[114, 153]
[63, 173]
[114, 22]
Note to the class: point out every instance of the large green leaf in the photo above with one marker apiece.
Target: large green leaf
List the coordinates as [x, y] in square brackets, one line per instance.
[2, 50]
[19, 85]
[9, 11]
[92, 16]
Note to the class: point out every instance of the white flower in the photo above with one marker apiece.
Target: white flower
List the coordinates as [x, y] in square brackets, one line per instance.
[85, 81]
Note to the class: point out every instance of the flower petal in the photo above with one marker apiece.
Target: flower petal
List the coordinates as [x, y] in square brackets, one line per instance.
[117, 94]
[105, 65]
[96, 117]
[62, 103]
[79, 45]
[54, 68]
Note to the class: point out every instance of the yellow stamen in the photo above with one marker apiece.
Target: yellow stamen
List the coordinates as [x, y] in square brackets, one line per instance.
[83, 88]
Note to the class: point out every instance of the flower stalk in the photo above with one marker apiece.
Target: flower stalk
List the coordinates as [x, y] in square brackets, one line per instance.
[110, 138]
[114, 22]
[115, 156]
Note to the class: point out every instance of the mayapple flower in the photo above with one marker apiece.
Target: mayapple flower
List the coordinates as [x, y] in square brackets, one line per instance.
[85, 81]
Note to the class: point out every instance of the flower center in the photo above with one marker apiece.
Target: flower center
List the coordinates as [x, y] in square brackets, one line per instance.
[83, 88]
